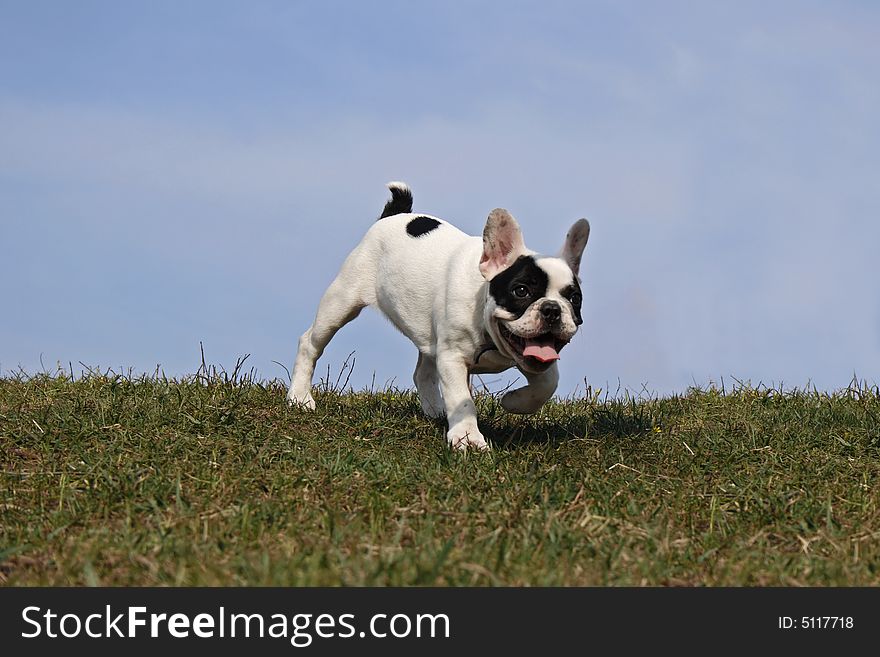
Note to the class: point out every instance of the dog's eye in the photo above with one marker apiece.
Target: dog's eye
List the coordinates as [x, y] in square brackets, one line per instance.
[521, 291]
[575, 299]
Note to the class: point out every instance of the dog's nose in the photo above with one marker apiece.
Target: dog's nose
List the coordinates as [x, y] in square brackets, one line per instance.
[551, 311]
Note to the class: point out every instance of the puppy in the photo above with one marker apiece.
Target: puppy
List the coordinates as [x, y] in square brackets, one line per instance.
[469, 305]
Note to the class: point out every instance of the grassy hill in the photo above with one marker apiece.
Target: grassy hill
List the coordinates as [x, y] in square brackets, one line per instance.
[212, 480]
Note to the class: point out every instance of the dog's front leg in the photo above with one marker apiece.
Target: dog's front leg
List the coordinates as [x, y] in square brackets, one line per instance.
[461, 412]
[531, 397]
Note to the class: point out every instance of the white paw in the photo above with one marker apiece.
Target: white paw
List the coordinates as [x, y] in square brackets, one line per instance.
[463, 440]
[522, 404]
[306, 401]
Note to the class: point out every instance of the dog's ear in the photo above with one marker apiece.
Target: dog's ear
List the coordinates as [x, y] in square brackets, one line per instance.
[575, 241]
[502, 243]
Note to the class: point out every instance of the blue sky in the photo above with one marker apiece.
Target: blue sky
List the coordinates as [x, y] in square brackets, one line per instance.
[176, 172]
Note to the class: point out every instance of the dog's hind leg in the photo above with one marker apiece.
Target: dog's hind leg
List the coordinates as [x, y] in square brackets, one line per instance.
[341, 303]
[428, 384]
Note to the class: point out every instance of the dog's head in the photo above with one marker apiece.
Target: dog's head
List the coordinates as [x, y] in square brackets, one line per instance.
[534, 303]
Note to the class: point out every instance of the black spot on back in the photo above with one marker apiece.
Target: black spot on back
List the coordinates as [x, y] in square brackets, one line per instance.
[421, 225]
[524, 272]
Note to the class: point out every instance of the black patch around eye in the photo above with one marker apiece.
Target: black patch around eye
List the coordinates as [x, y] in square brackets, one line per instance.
[569, 292]
[420, 225]
[524, 271]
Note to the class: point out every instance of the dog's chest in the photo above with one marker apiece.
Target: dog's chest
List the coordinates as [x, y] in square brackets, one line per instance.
[490, 361]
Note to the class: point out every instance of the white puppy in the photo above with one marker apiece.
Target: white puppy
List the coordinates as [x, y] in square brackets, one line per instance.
[469, 305]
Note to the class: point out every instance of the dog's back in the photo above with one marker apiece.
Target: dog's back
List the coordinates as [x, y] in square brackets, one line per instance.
[399, 261]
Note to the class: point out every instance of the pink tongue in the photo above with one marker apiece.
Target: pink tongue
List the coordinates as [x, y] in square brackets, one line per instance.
[544, 350]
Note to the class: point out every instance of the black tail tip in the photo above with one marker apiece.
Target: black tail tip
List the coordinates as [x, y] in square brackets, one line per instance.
[401, 200]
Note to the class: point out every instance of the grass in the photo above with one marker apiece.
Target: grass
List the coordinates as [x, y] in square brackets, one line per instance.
[212, 480]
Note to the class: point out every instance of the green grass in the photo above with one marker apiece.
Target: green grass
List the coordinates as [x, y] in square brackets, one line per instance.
[212, 480]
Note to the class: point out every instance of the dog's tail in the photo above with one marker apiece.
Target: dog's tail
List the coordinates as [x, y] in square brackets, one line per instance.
[401, 200]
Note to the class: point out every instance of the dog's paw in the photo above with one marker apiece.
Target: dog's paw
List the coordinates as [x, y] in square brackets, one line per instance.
[462, 440]
[305, 402]
[522, 402]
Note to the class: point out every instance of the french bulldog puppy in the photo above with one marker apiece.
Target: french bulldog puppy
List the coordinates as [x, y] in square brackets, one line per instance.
[470, 305]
